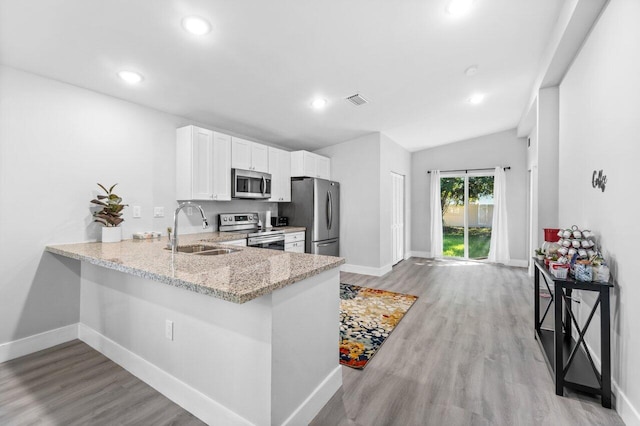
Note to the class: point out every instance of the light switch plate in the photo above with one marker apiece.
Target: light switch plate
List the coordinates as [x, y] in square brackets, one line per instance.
[158, 212]
[137, 212]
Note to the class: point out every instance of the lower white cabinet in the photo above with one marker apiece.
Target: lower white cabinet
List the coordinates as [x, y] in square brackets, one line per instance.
[241, 243]
[294, 242]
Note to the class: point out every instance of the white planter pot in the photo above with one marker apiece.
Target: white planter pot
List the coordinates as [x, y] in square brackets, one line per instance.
[111, 234]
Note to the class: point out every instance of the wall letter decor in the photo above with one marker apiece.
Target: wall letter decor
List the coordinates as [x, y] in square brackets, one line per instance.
[599, 180]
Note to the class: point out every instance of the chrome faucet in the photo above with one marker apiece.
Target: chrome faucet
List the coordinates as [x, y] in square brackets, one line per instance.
[174, 239]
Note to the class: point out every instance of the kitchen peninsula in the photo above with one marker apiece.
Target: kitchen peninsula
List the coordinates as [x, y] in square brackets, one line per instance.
[248, 337]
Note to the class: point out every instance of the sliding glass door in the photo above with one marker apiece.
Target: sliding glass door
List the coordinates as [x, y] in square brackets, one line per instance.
[467, 213]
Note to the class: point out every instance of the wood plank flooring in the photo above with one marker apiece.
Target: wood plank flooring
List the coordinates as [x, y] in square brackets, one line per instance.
[72, 384]
[464, 354]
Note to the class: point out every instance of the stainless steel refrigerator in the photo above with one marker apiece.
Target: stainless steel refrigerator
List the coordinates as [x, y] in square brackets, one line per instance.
[315, 204]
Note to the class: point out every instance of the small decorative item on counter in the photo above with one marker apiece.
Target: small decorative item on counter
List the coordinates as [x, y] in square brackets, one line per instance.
[146, 235]
[110, 215]
[539, 254]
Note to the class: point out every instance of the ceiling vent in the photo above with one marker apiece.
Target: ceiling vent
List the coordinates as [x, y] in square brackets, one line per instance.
[357, 99]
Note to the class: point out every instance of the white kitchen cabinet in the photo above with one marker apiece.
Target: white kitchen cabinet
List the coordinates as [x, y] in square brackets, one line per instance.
[280, 170]
[305, 163]
[294, 242]
[249, 155]
[203, 164]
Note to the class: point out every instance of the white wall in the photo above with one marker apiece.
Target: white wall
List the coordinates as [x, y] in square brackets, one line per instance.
[363, 167]
[356, 165]
[499, 149]
[393, 158]
[56, 142]
[599, 129]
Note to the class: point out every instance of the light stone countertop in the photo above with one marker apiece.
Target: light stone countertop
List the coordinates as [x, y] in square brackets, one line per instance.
[236, 277]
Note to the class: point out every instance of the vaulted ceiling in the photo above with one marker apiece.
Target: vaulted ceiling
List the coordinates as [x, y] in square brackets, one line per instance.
[263, 62]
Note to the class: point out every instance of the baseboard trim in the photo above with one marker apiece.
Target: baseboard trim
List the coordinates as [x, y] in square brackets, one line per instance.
[37, 342]
[366, 270]
[425, 254]
[318, 398]
[625, 409]
[192, 400]
[520, 263]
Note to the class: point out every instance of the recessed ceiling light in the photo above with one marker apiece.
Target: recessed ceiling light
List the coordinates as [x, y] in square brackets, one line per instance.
[476, 99]
[196, 25]
[471, 71]
[130, 77]
[459, 7]
[319, 103]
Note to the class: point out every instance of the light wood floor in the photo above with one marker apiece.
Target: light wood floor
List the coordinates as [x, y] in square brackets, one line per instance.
[72, 384]
[464, 354]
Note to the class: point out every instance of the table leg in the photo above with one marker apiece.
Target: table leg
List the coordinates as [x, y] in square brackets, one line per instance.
[558, 339]
[567, 316]
[605, 353]
[536, 301]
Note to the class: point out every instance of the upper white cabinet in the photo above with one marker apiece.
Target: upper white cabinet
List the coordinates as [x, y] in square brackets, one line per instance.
[305, 163]
[249, 155]
[203, 164]
[280, 170]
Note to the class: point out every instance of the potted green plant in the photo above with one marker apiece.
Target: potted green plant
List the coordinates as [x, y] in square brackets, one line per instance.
[539, 254]
[110, 215]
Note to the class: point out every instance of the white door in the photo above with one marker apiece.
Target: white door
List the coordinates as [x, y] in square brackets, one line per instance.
[240, 153]
[259, 158]
[397, 217]
[202, 157]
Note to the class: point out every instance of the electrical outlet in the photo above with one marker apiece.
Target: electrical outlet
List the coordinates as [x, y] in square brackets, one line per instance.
[137, 212]
[168, 329]
[189, 211]
[158, 212]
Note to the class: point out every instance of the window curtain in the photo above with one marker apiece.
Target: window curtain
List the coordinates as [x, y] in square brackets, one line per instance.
[436, 215]
[499, 246]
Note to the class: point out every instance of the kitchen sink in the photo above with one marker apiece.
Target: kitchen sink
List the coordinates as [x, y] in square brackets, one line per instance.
[216, 252]
[203, 250]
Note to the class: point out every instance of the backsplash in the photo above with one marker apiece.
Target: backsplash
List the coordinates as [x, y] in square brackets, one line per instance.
[193, 224]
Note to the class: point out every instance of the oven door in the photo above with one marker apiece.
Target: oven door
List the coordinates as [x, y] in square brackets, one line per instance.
[273, 243]
[248, 184]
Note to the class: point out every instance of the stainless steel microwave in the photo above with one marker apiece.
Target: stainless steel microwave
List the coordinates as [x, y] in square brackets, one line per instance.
[250, 184]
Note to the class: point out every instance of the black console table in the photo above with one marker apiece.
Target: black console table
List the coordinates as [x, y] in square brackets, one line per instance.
[568, 359]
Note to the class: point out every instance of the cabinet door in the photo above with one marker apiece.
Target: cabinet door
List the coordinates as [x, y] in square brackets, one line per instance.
[280, 169]
[221, 167]
[297, 247]
[241, 153]
[309, 164]
[259, 157]
[202, 164]
[323, 167]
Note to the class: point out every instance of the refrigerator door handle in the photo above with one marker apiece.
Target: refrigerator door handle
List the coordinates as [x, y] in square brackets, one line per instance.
[330, 215]
[325, 244]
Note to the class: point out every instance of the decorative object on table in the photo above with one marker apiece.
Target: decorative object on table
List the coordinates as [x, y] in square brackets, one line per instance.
[579, 254]
[110, 215]
[599, 180]
[367, 317]
[539, 254]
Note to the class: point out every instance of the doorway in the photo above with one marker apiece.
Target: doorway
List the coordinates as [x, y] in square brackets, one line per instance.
[397, 217]
[467, 215]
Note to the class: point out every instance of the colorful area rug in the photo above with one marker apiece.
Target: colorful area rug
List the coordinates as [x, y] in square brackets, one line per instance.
[367, 317]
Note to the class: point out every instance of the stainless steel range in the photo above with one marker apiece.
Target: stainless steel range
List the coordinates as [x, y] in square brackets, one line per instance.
[249, 223]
